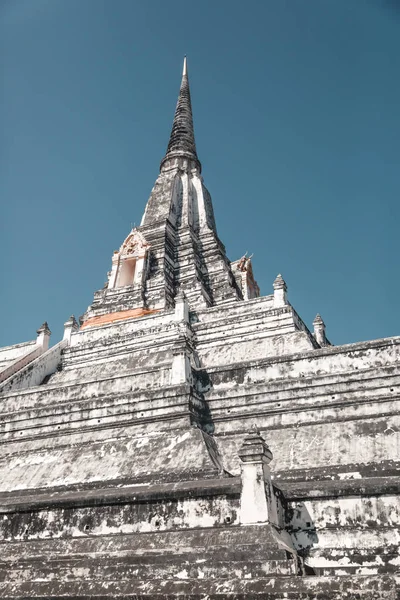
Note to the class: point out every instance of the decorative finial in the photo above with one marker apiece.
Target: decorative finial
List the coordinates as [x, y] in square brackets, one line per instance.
[319, 331]
[43, 336]
[184, 72]
[280, 289]
[70, 327]
[318, 320]
[72, 322]
[254, 443]
[279, 283]
[44, 329]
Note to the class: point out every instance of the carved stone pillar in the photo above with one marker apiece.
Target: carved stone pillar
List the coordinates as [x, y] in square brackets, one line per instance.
[114, 270]
[181, 368]
[139, 268]
[257, 501]
[181, 308]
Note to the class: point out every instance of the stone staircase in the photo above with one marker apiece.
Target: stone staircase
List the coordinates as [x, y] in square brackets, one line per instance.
[229, 562]
[52, 568]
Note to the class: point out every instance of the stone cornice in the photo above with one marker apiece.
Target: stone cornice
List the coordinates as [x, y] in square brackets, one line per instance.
[128, 494]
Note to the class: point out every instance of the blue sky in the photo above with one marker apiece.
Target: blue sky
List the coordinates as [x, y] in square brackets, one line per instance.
[297, 121]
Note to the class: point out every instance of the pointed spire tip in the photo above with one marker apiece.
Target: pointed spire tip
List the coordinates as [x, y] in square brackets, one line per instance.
[182, 144]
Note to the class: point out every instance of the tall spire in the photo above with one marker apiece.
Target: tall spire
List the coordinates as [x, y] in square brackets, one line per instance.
[181, 142]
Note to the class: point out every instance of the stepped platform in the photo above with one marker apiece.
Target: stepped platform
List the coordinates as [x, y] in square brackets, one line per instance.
[266, 588]
[190, 439]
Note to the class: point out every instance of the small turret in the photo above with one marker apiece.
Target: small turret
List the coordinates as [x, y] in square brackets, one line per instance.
[280, 292]
[319, 331]
[69, 327]
[43, 336]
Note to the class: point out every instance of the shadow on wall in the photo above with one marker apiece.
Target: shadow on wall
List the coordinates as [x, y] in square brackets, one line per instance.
[302, 530]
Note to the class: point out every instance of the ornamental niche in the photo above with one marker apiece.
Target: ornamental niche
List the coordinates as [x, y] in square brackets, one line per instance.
[129, 263]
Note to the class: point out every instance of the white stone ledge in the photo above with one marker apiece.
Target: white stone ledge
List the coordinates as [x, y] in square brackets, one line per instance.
[98, 381]
[277, 418]
[88, 334]
[106, 407]
[56, 425]
[312, 355]
[311, 387]
[120, 350]
[93, 437]
[131, 494]
[249, 401]
[98, 410]
[182, 418]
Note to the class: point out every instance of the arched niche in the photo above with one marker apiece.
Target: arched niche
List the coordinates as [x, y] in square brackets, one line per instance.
[129, 263]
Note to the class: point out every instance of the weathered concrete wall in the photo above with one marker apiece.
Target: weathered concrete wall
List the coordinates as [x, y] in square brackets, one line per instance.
[130, 518]
[248, 331]
[353, 534]
[351, 442]
[109, 416]
[153, 457]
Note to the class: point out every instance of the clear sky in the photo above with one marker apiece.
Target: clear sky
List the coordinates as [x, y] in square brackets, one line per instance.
[297, 119]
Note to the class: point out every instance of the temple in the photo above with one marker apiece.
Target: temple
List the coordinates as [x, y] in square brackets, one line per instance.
[191, 438]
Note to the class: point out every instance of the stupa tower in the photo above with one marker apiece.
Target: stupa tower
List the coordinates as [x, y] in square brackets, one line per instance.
[191, 439]
[176, 248]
